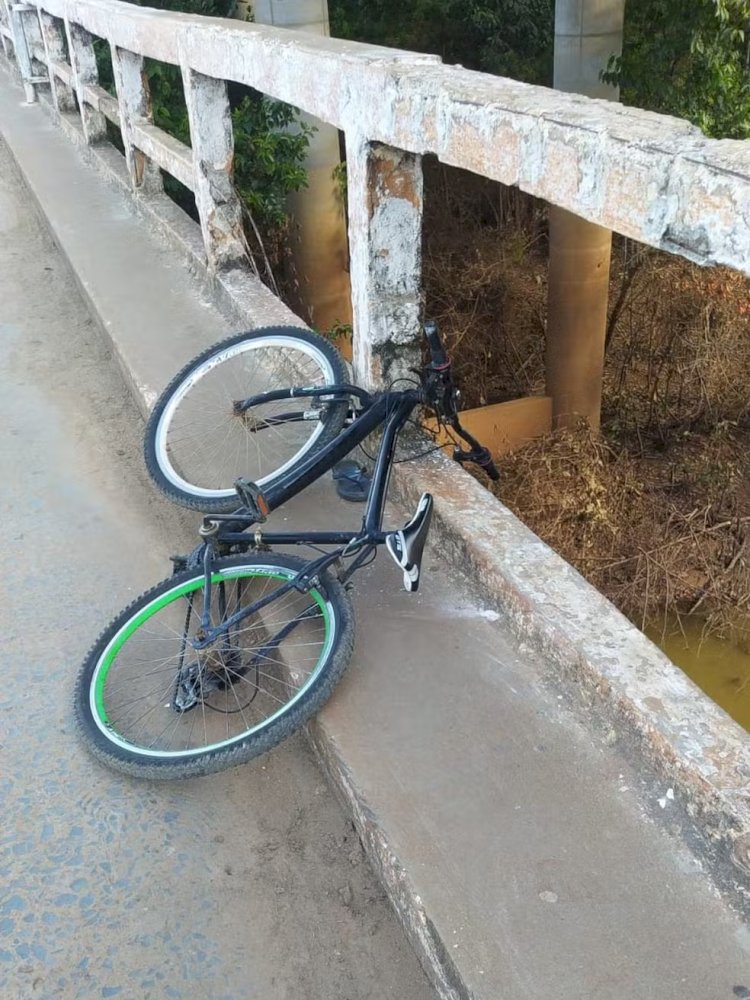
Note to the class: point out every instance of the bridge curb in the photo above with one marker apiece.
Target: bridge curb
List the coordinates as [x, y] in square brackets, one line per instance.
[584, 645]
[623, 684]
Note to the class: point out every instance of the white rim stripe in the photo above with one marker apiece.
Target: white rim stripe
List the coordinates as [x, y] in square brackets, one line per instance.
[182, 390]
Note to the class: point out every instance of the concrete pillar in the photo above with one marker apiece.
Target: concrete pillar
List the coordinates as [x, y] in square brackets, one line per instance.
[33, 32]
[386, 200]
[318, 238]
[577, 307]
[587, 33]
[52, 31]
[134, 99]
[85, 74]
[213, 151]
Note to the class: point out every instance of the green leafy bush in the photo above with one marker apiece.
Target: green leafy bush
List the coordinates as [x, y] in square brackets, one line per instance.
[688, 59]
[269, 152]
[208, 8]
[508, 37]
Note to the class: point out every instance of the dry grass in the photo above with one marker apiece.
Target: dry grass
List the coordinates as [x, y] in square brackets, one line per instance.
[485, 281]
[679, 351]
[655, 510]
[661, 536]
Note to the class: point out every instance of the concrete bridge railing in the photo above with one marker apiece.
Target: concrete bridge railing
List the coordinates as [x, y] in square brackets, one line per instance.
[653, 178]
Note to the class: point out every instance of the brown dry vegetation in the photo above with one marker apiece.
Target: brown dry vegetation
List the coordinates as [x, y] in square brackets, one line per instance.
[485, 274]
[655, 511]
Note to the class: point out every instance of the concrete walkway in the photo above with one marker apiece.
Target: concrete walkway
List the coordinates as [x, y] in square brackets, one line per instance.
[250, 885]
[518, 845]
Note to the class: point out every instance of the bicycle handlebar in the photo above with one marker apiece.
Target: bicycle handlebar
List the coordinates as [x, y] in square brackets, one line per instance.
[478, 454]
[445, 402]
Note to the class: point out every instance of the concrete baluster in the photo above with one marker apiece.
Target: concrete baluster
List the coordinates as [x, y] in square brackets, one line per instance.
[85, 74]
[20, 15]
[213, 154]
[385, 190]
[134, 99]
[52, 31]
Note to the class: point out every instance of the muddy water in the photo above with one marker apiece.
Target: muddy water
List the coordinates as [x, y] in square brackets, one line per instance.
[720, 668]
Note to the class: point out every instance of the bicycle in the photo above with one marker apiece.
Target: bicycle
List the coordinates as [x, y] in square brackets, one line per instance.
[241, 645]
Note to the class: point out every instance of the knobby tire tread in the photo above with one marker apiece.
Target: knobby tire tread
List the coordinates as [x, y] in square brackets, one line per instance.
[129, 763]
[333, 424]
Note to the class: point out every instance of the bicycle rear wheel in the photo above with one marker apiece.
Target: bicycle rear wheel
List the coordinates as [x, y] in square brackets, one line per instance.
[149, 704]
[198, 442]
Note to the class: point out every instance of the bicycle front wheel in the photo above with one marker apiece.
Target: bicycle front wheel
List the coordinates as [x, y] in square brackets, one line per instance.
[199, 441]
[149, 704]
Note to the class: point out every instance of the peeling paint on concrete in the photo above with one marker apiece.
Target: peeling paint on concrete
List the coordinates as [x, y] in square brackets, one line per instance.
[385, 239]
[52, 31]
[134, 98]
[213, 153]
[85, 75]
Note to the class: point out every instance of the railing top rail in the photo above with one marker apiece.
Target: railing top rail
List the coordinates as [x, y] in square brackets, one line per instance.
[648, 176]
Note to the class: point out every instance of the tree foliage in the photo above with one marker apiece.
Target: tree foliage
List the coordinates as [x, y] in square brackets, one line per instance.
[688, 59]
[270, 145]
[508, 37]
[208, 8]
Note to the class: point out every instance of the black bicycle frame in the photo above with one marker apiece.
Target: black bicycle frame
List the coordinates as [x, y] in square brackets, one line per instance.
[389, 408]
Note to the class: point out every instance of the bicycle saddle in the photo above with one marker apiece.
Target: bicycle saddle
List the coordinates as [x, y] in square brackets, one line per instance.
[407, 545]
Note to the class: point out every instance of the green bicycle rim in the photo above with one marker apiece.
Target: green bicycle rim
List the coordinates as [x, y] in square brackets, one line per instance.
[109, 656]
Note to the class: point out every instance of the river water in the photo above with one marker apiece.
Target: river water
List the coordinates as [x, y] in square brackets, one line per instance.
[717, 666]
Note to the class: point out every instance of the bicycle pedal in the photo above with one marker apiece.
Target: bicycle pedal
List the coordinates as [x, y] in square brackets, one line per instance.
[353, 481]
[407, 545]
[179, 563]
[251, 497]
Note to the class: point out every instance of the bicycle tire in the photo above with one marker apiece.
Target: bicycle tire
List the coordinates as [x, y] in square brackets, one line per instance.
[100, 718]
[308, 359]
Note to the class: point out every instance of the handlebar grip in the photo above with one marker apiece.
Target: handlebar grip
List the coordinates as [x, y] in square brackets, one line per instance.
[437, 352]
[483, 458]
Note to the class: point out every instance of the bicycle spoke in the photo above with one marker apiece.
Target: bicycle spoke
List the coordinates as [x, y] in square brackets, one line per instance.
[247, 675]
[207, 444]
